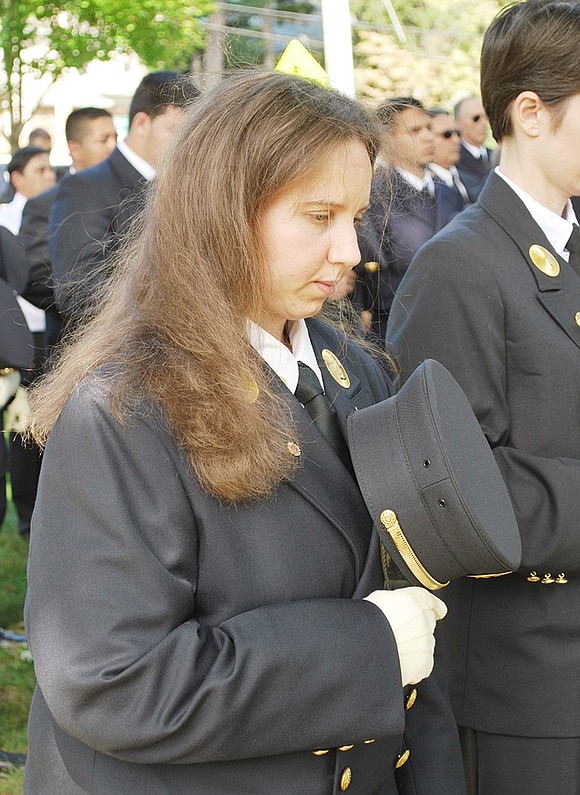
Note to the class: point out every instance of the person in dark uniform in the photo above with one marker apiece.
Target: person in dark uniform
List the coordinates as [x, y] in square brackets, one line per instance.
[495, 297]
[475, 158]
[407, 208]
[206, 607]
[16, 341]
[93, 208]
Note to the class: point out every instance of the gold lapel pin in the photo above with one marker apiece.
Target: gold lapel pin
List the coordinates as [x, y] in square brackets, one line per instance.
[577, 318]
[544, 260]
[336, 369]
[294, 450]
[253, 389]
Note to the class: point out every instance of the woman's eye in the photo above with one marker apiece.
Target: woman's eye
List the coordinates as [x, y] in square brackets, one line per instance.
[321, 218]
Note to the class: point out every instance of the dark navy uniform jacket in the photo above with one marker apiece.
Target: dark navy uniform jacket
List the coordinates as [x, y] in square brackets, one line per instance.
[184, 646]
[490, 299]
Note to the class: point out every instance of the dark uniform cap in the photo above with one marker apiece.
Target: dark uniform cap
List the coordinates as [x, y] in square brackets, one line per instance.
[431, 483]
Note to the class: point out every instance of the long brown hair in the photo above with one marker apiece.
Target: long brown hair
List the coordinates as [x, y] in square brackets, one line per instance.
[173, 322]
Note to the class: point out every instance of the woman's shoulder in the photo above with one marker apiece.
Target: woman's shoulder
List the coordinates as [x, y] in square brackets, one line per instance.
[103, 393]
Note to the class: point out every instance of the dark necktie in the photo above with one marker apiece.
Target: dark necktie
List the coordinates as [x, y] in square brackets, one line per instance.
[427, 199]
[573, 246]
[311, 394]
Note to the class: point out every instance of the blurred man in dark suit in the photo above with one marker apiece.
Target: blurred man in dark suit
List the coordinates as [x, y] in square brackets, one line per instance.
[474, 157]
[407, 208]
[91, 137]
[94, 208]
[446, 153]
[30, 174]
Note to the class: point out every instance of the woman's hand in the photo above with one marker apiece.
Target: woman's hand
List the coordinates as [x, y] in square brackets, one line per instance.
[412, 614]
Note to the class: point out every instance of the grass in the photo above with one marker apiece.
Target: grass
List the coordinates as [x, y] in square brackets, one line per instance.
[17, 674]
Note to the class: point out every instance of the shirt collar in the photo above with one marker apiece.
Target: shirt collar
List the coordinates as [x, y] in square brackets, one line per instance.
[476, 151]
[417, 182]
[557, 228]
[281, 359]
[444, 174]
[143, 167]
[11, 213]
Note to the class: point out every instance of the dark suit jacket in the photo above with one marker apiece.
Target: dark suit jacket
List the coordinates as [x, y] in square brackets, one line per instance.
[473, 171]
[474, 299]
[398, 222]
[34, 237]
[14, 266]
[91, 212]
[191, 647]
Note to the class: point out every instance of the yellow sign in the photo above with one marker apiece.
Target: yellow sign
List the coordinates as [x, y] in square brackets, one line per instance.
[296, 60]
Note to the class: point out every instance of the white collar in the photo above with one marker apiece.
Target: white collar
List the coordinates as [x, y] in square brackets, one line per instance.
[557, 228]
[444, 174]
[11, 213]
[417, 182]
[143, 167]
[281, 359]
[476, 151]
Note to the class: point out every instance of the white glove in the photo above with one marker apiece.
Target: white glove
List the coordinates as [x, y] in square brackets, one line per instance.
[412, 614]
[18, 412]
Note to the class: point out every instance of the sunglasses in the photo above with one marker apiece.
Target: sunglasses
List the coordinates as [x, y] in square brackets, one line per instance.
[448, 133]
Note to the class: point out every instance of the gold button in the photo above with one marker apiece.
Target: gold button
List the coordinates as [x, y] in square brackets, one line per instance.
[345, 779]
[345, 747]
[547, 579]
[561, 579]
[402, 759]
[369, 742]
[293, 449]
[321, 752]
[371, 267]
[533, 577]
[577, 318]
[412, 698]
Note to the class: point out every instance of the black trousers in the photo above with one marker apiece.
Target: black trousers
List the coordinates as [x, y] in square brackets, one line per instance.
[25, 461]
[502, 765]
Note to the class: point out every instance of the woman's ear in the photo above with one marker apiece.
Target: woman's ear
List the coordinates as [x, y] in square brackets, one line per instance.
[529, 113]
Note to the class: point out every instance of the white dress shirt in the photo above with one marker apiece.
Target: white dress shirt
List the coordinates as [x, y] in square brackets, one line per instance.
[281, 359]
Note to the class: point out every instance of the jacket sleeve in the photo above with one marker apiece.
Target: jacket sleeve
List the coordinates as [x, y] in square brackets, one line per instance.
[450, 308]
[34, 237]
[123, 659]
[80, 234]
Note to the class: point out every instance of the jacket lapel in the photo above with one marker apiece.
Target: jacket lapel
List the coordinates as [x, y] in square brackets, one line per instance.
[321, 477]
[500, 202]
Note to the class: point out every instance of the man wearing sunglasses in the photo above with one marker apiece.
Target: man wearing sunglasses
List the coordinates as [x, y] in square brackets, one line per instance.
[446, 149]
[474, 157]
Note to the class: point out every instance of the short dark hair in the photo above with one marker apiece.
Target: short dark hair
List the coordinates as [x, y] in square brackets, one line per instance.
[160, 90]
[432, 112]
[388, 111]
[22, 157]
[75, 127]
[530, 46]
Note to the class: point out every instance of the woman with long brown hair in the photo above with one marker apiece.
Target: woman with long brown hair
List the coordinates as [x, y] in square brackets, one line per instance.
[205, 605]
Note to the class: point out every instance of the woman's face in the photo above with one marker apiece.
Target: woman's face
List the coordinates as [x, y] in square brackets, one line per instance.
[555, 175]
[309, 236]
